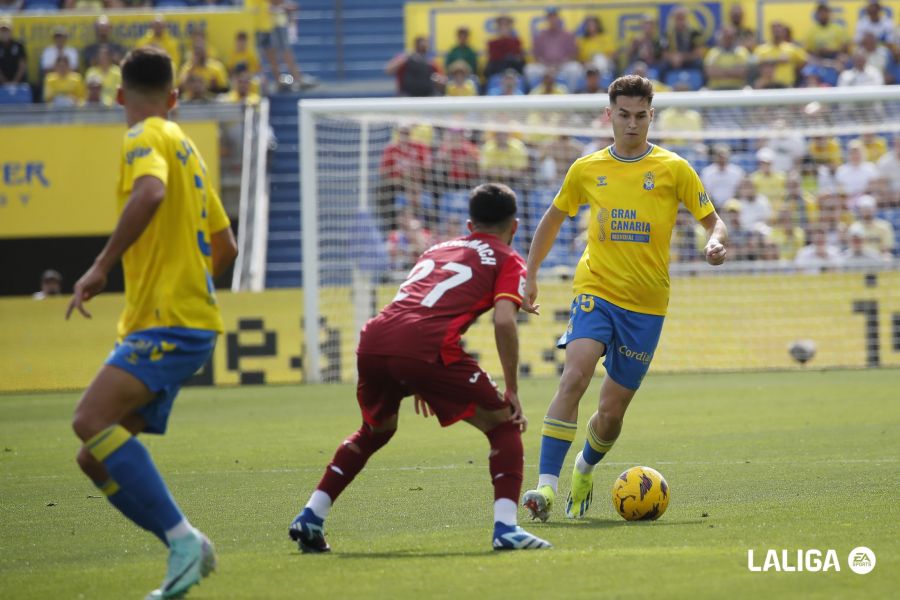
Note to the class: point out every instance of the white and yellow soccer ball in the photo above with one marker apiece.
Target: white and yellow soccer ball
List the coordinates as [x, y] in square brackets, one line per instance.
[640, 494]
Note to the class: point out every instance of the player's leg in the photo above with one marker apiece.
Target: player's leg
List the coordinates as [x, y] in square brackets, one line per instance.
[143, 376]
[124, 503]
[634, 342]
[506, 464]
[379, 396]
[585, 342]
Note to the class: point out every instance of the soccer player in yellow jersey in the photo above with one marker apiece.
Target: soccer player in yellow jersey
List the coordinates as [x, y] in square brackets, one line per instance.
[621, 283]
[173, 238]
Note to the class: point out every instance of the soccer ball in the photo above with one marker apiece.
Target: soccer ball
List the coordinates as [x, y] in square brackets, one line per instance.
[640, 494]
[802, 350]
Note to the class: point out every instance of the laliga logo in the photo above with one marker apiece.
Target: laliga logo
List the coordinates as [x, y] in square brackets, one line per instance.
[861, 560]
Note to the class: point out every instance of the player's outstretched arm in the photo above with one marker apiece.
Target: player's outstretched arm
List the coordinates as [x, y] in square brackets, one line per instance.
[717, 238]
[544, 236]
[146, 196]
[506, 334]
[224, 251]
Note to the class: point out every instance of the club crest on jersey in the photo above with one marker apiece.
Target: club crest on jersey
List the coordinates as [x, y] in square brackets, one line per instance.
[601, 180]
[649, 181]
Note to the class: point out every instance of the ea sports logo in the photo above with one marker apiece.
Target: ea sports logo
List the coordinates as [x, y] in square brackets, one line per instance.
[861, 560]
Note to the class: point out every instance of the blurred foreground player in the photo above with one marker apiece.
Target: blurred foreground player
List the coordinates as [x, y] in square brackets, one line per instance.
[173, 237]
[413, 348]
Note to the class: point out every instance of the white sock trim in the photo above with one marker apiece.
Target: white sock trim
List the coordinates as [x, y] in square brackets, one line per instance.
[505, 511]
[551, 480]
[179, 531]
[582, 465]
[320, 504]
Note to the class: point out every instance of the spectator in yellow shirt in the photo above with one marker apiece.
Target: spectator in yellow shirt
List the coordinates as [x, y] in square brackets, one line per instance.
[109, 75]
[826, 39]
[548, 84]
[727, 64]
[595, 47]
[786, 57]
[769, 182]
[209, 69]
[460, 82]
[158, 36]
[874, 146]
[243, 54]
[63, 86]
[825, 150]
[504, 159]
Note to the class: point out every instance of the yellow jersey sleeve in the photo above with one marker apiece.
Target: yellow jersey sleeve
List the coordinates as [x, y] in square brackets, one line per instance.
[218, 220]
[690, 190]
[143, 154]
[568, 199]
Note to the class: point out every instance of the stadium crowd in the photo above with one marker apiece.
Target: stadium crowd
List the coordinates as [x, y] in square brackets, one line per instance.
[823, 202]
[587, 59]
[89, 76]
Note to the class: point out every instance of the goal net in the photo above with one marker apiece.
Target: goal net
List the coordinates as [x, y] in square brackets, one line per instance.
[808, 182]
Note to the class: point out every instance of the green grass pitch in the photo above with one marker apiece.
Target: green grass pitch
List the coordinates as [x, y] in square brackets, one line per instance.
[755, 461]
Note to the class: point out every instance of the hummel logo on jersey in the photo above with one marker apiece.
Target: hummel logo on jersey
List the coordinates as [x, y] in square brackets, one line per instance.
[601, 181]
[474, 378]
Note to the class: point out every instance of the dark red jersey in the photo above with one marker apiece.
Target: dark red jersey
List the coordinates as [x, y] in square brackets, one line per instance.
[451, 285]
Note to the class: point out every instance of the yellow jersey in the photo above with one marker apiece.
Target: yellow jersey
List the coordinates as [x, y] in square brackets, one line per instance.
[787, 57]
[633, 204]
[212, 72]
[112, 79]
[168, 280]
[588, 48]
[71, 86]
[247, 58]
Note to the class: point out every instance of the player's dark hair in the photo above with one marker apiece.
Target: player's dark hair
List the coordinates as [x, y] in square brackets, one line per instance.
[147, 70]
[492, 205]
[633, 86]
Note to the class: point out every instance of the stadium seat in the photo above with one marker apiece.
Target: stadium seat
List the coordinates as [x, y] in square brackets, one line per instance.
[41, 5]
[367, 248]
[170, 4]
[652, 72]
[454, 204]
[15, 94]
[692, 77]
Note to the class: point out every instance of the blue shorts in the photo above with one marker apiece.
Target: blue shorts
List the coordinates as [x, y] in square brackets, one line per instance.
[163, 359]
[630, 337]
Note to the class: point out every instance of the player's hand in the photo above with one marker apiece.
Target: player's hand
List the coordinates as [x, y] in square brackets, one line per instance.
[422, 407]
[91, 283]
[715, 252]
[529, 299]
[518, 416]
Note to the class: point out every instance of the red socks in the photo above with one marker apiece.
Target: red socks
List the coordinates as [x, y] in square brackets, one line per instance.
[506, 461]
[350, 458]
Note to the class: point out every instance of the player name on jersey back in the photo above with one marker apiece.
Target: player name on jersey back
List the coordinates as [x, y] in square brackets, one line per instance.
[451, 284]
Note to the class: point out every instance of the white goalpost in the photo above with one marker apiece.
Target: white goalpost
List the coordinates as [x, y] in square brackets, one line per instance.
[381, 179]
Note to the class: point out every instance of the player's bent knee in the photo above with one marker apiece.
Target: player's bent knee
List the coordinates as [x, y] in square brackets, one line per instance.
[574, 381]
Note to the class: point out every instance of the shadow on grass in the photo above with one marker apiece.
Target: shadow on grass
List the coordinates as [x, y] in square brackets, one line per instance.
[615, 523]
[407, 554]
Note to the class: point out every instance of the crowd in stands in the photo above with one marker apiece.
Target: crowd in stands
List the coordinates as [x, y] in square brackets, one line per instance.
[815, 203]
[587, 59]
[816, 206]
[89, 76]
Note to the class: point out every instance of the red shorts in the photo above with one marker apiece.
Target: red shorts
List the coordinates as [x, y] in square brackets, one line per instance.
[452, 391]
